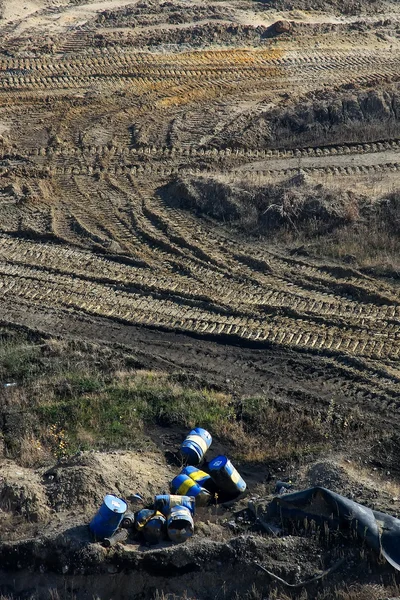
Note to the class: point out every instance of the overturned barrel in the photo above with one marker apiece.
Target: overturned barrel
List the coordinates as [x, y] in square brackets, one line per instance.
[195, 445]
[108, 517]
[165, 502]
[202, 478]
[128, 520]
[180, 525]
[226, 476]
[154, 530]
[141, 518]
[183, 485]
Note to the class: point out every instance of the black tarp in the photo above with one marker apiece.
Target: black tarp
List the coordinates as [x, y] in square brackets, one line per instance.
[379, 530]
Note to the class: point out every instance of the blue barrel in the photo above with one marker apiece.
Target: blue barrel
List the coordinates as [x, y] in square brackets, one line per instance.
[202, 478]
[164, 503]
[226, 476]
[183, 485]
[108, 517]
[155, 528]
[195, 445]
[180, 526]
[141, 518]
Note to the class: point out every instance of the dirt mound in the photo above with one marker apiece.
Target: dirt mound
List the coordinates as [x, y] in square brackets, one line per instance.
[374, 489]
[202, 565]
[197, 35]
[21, 492]
[349, 116]
[290, 205]
[82, 481]
[387, 211]
[330, 475]
[347, 7]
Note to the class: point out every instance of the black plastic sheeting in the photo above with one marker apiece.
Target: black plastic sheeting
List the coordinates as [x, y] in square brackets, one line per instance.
[379, 530]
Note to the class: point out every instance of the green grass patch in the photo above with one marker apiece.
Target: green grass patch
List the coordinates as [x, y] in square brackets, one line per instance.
[71, 397]
[113, 413]
[19, 362]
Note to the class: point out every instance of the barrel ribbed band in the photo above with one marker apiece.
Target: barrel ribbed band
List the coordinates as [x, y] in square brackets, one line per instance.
[197, 439]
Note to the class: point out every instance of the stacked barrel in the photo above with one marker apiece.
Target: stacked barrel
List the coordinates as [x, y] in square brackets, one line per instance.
[171, 515]
[219, 475]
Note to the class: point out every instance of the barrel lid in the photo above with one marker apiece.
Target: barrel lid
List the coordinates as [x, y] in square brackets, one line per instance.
[115, 504]
[200, 431]
[217, 462]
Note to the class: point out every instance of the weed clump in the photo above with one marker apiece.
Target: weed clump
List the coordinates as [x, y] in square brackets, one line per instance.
[293, 205]
[340, 224]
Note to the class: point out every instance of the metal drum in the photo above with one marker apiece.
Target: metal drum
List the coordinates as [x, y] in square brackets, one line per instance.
[151, 524]
[226, 476]
[183, 485]
[202, 478]
[108, 517]
[164, 503]
[142, 517]
[154, 530]
[128, 520]
[195, 445]
[180, 526]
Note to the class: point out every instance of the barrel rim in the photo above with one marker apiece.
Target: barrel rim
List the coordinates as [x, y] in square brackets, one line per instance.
[197, 429]
[224, 458]
[110, 498]
[176, 513]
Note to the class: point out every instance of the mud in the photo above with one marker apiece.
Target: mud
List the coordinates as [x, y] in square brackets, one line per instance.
[309, 381]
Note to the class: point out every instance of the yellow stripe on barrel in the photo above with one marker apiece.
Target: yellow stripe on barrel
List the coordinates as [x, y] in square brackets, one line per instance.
[185, 487]
[198, 475]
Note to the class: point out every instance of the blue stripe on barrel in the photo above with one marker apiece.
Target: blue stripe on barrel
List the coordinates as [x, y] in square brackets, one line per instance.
[108, 517]
[226, 476]
[183, 485]
[201, 478]
[195, 445]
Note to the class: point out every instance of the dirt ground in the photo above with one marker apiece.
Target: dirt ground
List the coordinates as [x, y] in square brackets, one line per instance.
[55, 551]
[108, 110]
